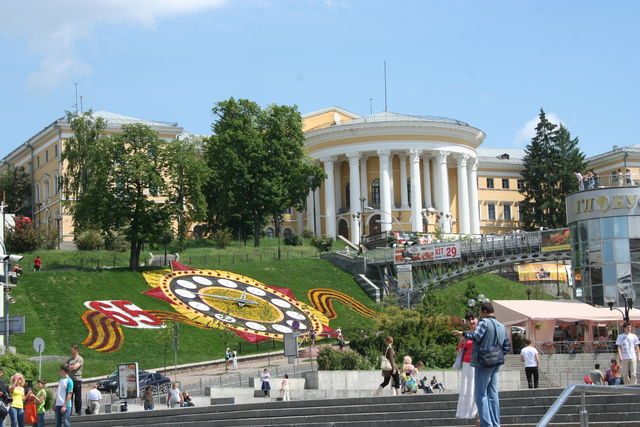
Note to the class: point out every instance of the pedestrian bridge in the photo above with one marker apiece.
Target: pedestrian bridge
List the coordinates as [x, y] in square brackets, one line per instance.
[456, 259]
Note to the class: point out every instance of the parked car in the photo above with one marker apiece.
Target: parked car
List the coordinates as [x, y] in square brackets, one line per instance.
[153, 379]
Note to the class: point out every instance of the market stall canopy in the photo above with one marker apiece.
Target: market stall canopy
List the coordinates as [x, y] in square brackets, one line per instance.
[518, 312]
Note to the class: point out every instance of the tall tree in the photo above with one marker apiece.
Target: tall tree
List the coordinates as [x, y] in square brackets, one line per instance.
[259, 166]
[550, 161]
[15, 188]
[132, 185]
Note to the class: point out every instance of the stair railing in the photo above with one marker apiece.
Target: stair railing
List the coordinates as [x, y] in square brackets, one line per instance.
[583, 389]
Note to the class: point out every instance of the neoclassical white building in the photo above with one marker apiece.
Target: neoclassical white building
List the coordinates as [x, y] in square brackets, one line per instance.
[414, 173]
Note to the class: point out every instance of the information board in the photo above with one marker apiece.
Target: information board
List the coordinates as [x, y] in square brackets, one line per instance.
[128, 380]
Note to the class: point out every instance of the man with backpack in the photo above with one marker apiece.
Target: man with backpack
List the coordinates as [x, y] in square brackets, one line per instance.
[490, 344]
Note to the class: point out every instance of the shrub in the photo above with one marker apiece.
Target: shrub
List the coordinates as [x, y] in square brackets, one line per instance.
[50, 239]
[307, 234]
[222, 237]
[23, 237]
[115, 241]
[330, 359]
[322, 243]
[13, 363]
[293, 240]
[89, 240]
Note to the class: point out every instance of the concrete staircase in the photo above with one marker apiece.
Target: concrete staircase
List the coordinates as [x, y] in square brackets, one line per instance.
[518, 408]
[512, 362]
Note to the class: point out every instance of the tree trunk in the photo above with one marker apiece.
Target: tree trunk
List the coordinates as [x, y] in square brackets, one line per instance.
[256, 231]
[134, 255]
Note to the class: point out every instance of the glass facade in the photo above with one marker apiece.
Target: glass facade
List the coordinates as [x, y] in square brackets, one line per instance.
[606, 256]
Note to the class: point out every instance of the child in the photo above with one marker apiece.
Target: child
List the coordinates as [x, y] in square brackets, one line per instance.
[436, 385]
[266, 386]
[235, 360]
[596, 375]
[284, 388]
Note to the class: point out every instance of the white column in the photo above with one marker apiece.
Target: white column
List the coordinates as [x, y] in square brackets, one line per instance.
[338, 184]
[437, 185]
[329, 197]
[427, 180]
[311, 219]
[443, 187]
[404, 198]
[385, 190]
[316, 213]
[463, 196]
[364, 191]
[416, 192]
[473, 196]
[354, 199]
[392, 183]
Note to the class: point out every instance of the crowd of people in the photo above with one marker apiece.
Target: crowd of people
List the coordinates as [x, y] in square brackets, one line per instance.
[591, 180]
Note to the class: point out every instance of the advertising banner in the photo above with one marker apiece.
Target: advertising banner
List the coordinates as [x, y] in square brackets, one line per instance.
[542, 272]
[433, 252]
[405, 277]
[555, 240]
[128, 380]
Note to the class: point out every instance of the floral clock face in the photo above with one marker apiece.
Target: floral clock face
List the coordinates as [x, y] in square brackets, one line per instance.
[226, 300]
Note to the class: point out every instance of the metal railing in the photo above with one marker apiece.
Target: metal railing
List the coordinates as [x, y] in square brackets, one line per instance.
[583, 389]
[573, 347]
[609, 181]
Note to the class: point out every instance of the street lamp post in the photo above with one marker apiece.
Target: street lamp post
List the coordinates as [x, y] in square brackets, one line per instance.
[475, 303]
[628, 295]
[359, 216]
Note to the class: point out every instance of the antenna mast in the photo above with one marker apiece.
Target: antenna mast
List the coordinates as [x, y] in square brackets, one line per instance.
[371, 105]
[76, 104]
[385, 86]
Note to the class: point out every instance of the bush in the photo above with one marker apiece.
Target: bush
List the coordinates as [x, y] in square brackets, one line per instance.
[293, 240]
[322, 243]
[50, 239]
[12, 363]
[307, 234]
[89, 240]
[23, 237]
[115, 241]
[222, 237]
[330, 359]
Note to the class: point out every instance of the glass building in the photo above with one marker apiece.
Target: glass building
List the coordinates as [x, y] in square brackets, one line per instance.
[605, 243]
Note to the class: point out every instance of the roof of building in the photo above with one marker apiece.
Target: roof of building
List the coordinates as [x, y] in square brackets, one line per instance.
[388, 116]
[121, 119]
[499, 153]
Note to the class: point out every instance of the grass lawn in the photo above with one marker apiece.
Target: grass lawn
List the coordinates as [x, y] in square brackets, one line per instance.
[53, 303]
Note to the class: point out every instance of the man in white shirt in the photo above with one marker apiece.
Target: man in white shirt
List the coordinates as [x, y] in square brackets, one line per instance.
[529, 355]
[628, 354]
[94, 397]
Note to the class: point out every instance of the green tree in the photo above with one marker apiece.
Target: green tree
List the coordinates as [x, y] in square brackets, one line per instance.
[15, 188]
[258, 165]
[550, 161]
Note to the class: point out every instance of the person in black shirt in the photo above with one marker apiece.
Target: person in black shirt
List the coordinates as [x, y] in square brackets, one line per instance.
[5, 398]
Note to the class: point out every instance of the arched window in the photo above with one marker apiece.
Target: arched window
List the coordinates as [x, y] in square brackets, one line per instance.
[343, 228]
[287, 232]
[46, 189]
[347, 192]
[37, 193]
[56, 184]
[375, 192]
[269, 232]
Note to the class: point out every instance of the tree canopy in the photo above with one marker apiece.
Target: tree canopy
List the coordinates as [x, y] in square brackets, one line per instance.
[138, 182]
[15, 188]
[258, 165]
[550, 162]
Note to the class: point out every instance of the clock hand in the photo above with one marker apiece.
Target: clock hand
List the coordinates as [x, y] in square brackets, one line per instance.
[238, 300]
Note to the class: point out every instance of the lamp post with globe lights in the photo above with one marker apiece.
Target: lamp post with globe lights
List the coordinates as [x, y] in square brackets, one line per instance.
[628, 296]
[474, 304]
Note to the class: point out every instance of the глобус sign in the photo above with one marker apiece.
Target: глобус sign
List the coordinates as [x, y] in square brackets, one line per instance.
[607, 202]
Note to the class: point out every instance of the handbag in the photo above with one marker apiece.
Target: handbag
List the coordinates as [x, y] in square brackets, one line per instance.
[30, 413]
[4, 408]
[385, 364]
[458, 363]
[491, 356]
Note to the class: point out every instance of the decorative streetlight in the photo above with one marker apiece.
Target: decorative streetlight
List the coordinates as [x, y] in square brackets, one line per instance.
[359, 216]
[628, 295]
[393, 218]
[475, 303]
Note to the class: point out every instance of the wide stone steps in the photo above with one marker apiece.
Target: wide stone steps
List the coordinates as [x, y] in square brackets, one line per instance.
[519, 407]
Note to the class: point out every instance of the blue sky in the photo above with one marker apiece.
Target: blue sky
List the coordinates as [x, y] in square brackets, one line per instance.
[492, 64]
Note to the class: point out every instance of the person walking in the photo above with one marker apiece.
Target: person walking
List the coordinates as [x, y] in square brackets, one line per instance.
[174, 397]
[147, 399]
[16, 411]
[467, 408]
[5, 397]
[284, 388]
[490, 343]
[529, 355]
[93, 399]
[62, 407]
[75, 364]
[628, 354]
[596, 375]
[387, 374]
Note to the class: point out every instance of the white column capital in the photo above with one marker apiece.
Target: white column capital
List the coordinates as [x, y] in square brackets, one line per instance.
[329, 159]
[384, 154]
[473, 164]
[353, 156]
[403, 156]
[462, 160]
[440, 156]
[415, 155]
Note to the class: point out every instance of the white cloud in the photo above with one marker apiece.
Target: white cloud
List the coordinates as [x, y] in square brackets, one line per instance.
[51, 28]
[528, 131]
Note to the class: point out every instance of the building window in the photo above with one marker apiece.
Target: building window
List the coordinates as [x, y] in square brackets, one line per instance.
[46, 156]
[46, 189]
[347, 194]
[505, 183]
[491, 212]
[520, 184]
[37, 193]
[490, 183]
[37, 162]
[375, 192]
[506, 212]
[520, 212]
[56, 184]
[55, 150]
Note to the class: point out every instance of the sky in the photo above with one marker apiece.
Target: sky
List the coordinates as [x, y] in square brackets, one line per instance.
[492, 64]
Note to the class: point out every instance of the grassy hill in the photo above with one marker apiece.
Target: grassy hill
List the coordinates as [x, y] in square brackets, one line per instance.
[53, 303]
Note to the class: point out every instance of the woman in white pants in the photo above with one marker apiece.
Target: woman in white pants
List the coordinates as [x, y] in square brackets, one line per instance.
[466, 403]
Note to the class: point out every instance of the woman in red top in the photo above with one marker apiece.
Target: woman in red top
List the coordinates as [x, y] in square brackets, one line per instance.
[466, 403]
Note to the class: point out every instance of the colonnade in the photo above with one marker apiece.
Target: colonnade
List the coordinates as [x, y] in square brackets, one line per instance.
[432, 196]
